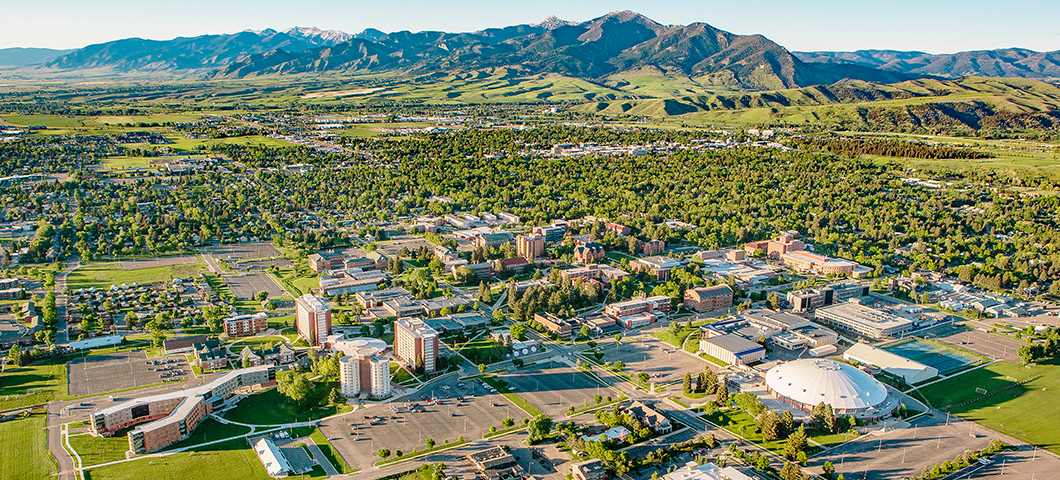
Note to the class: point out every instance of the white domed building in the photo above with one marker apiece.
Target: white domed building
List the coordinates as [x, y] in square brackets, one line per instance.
[806, 383]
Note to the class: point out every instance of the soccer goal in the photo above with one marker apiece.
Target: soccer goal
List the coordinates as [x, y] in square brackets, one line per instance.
[980, 390]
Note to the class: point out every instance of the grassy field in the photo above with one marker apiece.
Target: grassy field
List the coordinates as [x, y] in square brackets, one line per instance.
[208, 431]
[102, 276]
[233, 460]
[330, 453]
[271, 407]
[25, 452]
[122, 163]
[738, 422]
[96, 450]
[1022, 411]
[15, 385]
[50, 121]
[483, 350]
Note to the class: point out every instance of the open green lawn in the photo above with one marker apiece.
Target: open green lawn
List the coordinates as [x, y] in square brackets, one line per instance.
[96, 450]
[233, 460]
[400, 374]
[733, 419]
[483, 350]
[271, 407]
[1027, 411]
[25, 449]
[208, 431]
[330, 453]
[48, 382]
[256, 342]
[102, 276]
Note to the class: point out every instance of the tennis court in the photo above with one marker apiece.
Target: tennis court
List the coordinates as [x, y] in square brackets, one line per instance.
[944, 358]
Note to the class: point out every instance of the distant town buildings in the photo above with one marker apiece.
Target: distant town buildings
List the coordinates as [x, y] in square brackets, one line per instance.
[312, 318]
[416, 343]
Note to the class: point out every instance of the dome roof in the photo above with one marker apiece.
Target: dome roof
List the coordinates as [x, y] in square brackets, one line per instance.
[361, 346]
[812, 381]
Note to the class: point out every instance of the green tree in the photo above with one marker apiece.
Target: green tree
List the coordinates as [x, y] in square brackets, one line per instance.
[14, 356]
[686, 384]
[383, 453]
[539, 428]
[429, 442]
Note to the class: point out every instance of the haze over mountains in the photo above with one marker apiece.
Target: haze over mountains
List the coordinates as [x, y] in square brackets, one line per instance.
[616, 43]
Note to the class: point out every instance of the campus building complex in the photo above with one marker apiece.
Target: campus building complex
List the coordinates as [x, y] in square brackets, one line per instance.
[416, 341]
[864, 320]
[705, 299]
[530, 246]
[809, 299]
[313, 318]
[246, 324]
[363, 369]
[639, 311]
[164, 419]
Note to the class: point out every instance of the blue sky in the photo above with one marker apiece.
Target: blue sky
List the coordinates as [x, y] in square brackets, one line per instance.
[938, 26]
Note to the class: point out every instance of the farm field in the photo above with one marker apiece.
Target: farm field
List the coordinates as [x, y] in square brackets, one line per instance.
[1007, 410]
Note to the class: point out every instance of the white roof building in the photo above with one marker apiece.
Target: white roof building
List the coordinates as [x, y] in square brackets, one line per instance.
[912, 372]
[272, 458]
[806, 383]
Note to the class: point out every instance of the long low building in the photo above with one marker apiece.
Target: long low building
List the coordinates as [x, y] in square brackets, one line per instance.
[911, 371]
[164, 419]
[864, 320]
[731, 348]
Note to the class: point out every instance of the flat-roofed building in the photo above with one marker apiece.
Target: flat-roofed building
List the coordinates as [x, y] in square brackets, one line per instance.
[350, 281]
[655, 304]
[707, 471]
[910, 371]
[530, 246]
[864, 320]
[554, 324]
[551, 233]
[704, 299]
[809, 299]
[493, 239]
[802, 261]
[601, 272]
[312, 318]
[732, 349]
[246, 324]
[495, 463]
[658, 267]
[589, 470]
[414, 342]
[375, 298]
[164, 419]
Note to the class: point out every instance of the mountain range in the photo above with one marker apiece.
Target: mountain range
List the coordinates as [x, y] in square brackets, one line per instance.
[21, 57]
[616, 43]
[1006, 62]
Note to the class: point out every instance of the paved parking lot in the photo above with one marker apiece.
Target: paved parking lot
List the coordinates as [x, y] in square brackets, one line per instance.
[904, 452]
[983, 343]
[552, 387]
[262, 264]
[108, 372]
[245, 251]
[244, 287]
[396, 243]
[664, 362]
[408, 431]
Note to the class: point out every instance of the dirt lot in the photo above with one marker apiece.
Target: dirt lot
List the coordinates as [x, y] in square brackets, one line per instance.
[553, 387]
[245, 251]
[246, 286]
[411, 242]
[978, 341]
[116, 371]
[662, 361]
[408, 431]
[160, 262]
[262, 264]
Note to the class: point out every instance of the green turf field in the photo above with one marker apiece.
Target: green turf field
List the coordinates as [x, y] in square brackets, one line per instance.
[233, 460]
[25, 454]
[32, 385]
[1028, 411]
[96, 450]
[102, 276]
